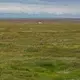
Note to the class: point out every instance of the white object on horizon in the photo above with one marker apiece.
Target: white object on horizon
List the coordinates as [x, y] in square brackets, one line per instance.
[39, 22]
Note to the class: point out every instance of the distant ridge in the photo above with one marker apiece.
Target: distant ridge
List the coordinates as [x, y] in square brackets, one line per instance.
[35, 20]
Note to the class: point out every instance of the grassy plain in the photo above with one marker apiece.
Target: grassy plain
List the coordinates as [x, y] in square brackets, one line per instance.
[39, 51]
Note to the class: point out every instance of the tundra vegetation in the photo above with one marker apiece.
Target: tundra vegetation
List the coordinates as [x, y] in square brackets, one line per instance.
[39, 51]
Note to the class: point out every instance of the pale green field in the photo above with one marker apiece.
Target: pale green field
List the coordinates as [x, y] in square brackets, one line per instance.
[39, 51]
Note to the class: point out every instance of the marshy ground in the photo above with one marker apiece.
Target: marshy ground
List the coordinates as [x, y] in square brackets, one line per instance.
[39, 51]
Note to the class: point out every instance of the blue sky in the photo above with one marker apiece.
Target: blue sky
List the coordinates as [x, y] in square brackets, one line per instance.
[39, 8]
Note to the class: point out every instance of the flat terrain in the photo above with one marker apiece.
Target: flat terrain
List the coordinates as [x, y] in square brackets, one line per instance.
[39, 51]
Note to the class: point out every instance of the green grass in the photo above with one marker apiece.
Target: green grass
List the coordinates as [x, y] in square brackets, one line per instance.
[39, 51]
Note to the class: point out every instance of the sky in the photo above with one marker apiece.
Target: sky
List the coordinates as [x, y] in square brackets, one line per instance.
[39, 8]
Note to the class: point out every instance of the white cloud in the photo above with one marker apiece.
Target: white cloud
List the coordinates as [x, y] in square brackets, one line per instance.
[9, 7]
[36, 9]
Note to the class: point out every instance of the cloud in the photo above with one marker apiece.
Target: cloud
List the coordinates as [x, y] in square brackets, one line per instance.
[37, 9]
